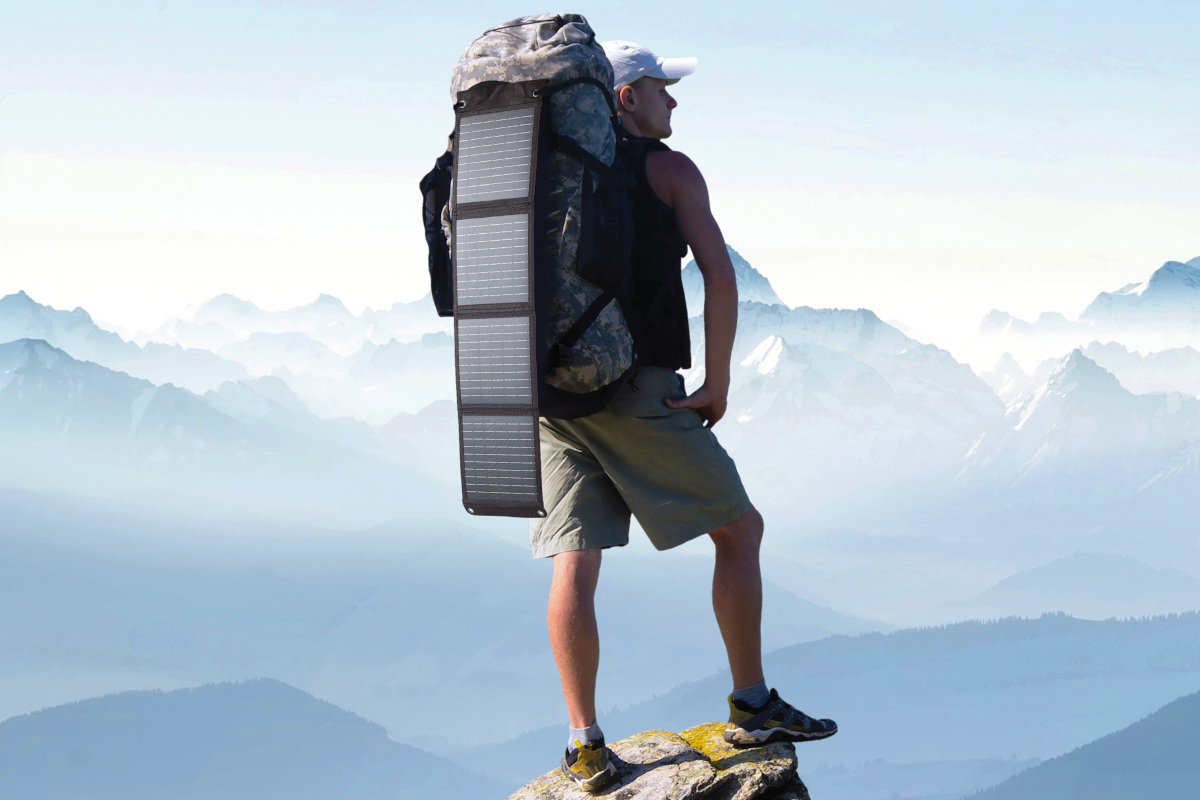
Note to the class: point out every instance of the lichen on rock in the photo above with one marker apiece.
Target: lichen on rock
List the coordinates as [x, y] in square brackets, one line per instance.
[695, 764]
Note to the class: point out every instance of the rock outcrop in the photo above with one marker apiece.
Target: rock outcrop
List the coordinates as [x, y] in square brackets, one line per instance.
[695, 764]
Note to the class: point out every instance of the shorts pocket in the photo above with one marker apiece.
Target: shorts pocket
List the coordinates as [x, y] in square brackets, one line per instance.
[643, 395]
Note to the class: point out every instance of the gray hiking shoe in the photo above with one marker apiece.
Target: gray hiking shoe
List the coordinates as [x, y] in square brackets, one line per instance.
[589, 765]
[775, 721]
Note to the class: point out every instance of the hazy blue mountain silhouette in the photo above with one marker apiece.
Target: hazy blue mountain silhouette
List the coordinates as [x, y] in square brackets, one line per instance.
[1083, 435]
[1157, 757]
[225, 319]
[1174, 370]
[1170, 297]
[969, 692]
[71, 425]
[1082, 585]
[1153, 315]
[418, 624]
[21, 317]
[257, 740]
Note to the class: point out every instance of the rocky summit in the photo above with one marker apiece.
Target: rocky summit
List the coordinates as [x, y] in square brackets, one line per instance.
[695, 764]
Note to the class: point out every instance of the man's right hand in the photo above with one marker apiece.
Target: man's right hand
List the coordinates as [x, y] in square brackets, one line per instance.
[706, 402]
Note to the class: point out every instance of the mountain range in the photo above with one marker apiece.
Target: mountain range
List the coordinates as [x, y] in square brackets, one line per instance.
[1081, 585]
[226, 319]
[287, 505]
[1176, 369]
[846, 430]
[380, 621]
[1170, 297]
[74, 332]
[371, 367]
[976, 701]
[1154, 757]
[859, 402]
[753, 287]
[832, 411]
[1083, 434]
[78, 427]
[254, 740]
[1159, 313]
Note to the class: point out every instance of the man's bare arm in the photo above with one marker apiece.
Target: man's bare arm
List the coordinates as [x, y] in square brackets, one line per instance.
[679, 183]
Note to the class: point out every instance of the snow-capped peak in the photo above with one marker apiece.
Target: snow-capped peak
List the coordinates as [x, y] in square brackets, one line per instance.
[752, 285]
[1172, 290]
[1077, 370]
[1174, 275]
[1132, 289]
[764, 358]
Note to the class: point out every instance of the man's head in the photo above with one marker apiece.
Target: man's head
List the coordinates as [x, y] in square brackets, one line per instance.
[640, 80]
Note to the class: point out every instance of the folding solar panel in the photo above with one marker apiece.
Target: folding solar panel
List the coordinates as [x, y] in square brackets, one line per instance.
[495, 332]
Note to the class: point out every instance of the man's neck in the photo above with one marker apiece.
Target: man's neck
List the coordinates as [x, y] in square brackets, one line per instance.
[631, 127]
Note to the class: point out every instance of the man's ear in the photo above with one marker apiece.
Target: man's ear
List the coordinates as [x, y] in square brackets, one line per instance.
[626, 99]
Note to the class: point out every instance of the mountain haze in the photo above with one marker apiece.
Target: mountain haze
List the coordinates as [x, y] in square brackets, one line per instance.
[1159, 313]
[258, 740]
[1082, 432]
[1153, 758]
[75, 332]
[77, 426]
[1082, 585]
[962, 694]
[99, 601]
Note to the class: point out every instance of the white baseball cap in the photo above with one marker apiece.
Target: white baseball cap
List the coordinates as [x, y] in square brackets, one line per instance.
[632, 61]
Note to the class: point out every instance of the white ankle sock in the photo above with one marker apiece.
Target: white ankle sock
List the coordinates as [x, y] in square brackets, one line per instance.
[584, 735]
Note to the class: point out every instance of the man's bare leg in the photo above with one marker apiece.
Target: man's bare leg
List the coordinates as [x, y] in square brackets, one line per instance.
[737, 596]
[571, 618]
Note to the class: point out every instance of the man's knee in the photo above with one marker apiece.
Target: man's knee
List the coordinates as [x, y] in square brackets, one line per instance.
[745, 532]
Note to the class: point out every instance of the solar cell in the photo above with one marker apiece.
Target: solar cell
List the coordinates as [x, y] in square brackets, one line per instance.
[494, 155]
[500, 460]
[495, 361]
[492, 259]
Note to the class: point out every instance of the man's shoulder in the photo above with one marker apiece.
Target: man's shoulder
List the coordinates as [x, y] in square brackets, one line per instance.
[670, 159]
[671, 171]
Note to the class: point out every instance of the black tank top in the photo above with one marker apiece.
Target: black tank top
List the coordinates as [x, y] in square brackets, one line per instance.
[658, 251]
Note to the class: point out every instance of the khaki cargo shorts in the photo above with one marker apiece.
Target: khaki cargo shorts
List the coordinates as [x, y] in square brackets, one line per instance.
[635, 456]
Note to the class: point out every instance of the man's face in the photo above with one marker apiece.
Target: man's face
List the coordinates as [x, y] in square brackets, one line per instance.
[647, 104]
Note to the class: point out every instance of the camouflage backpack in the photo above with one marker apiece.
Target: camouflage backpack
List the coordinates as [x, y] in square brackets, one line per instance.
[581, 222]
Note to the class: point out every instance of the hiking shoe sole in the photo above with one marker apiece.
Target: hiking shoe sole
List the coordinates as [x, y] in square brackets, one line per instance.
[745, 737]
[594, 783]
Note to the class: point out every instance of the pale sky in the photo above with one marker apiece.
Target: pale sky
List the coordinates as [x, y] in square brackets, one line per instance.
[927, 160]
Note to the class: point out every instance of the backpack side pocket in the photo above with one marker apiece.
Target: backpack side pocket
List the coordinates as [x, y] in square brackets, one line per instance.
[435, 190]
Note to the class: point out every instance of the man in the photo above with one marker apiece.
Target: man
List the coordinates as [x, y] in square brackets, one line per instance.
[651, 452]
